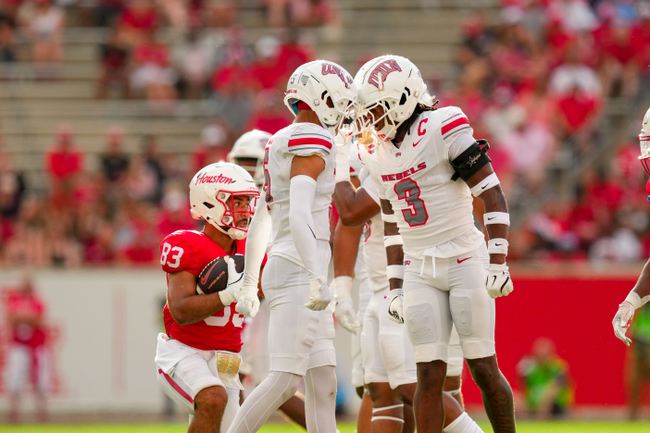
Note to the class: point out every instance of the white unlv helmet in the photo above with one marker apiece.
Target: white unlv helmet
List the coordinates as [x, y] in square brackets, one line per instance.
[248, 153]
[393, 83]
[213, 190]
[325, 87]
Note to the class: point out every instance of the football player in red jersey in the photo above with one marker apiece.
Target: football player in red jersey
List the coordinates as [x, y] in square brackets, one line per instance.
[197, 358]
[640, 293]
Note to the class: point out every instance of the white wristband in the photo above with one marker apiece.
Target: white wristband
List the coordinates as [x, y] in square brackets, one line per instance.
[395, 271]
[392, 240]
[497, 246]
[343, 286]
[488, 182]
[635, 300]
[388, 218]
[496, 218]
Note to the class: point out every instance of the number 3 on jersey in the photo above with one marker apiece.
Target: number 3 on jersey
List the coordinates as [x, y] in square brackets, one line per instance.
[171, 256]
[408, 189]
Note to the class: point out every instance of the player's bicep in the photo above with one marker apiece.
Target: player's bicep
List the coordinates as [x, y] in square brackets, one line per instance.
[180, 285]
[312, 166]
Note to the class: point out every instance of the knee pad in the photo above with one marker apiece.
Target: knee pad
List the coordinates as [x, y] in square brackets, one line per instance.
[419, 322]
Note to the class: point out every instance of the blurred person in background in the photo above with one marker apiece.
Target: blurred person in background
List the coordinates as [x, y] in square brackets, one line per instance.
[43, 23]
[27, 243]
[545, 379]
[27, 353]
[64, 162]
[113, 160]
[155, 163]
[212, 148]
[8, 49]
[192, 59]
[114, 59]
[137, 21]
[151, 73]
[268, 114]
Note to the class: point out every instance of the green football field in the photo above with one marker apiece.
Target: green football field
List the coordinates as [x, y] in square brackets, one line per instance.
[524, 427]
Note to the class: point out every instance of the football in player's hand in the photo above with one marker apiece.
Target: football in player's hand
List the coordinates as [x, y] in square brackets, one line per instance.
[214, 276]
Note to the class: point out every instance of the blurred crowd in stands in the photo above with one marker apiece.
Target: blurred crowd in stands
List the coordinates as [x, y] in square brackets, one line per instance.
[535, 80]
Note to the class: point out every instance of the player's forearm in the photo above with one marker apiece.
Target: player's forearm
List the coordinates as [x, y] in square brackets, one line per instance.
[640, 293]
[346, 197]
[393, 245]
[194, 308]
[345, 249]
[496, 208]
[301, 198]
[256, 242]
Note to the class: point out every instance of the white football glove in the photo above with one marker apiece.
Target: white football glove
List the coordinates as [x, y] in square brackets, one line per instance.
[396, 305]
[622, 321]
[343, 307]
[498, 282]
[319, 295]
[247, 301]
[235, 281]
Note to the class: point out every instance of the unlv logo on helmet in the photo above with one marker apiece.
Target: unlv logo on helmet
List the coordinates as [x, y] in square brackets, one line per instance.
[329, 69]
[384, 69]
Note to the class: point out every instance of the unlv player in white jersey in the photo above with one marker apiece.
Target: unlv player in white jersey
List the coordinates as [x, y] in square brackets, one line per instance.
[640, 293]
[427, 166]
[197, 358]
[299, 180]
[388, 356]
[248, 153]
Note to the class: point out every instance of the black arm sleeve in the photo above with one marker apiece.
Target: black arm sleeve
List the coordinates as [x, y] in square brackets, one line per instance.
[471, 160]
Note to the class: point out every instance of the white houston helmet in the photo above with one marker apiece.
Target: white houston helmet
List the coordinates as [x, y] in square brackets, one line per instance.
[395, 84]
[325, 87]
[212, 193]
[248, 153]
[644, 142]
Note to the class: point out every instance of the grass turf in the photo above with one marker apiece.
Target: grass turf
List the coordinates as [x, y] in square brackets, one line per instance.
[523, 427]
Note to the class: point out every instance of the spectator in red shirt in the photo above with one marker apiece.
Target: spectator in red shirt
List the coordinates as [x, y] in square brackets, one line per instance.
[27, 356]
[577, 111]
[266, 72]
[151, 74]
[622, 60]
[63, 162]
[269, 113]
[138, 20]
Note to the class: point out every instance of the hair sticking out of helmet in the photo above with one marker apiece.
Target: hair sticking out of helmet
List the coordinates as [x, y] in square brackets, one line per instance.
[224, 195]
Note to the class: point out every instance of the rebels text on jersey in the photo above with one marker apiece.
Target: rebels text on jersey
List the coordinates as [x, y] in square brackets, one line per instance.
[434, 213]
[190, 251]
[297, 139]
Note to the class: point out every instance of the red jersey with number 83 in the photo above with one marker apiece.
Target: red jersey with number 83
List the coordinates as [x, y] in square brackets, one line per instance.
[190, 251]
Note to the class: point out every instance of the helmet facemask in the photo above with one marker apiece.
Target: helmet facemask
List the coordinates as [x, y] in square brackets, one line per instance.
[230, 210]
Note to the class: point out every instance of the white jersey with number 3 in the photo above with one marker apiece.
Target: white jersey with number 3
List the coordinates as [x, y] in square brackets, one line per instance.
[434, 213]
[297, 139]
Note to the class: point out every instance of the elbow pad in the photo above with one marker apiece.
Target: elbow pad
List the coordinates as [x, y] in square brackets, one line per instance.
[471, 160]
